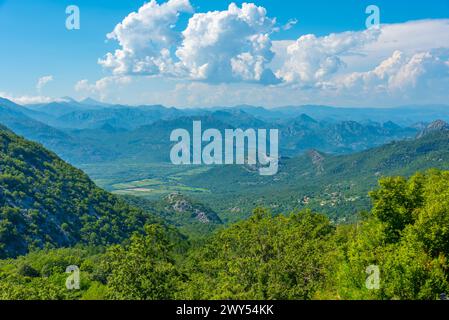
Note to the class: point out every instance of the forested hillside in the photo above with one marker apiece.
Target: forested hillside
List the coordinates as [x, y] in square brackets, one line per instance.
[299, 255]
[46, 202]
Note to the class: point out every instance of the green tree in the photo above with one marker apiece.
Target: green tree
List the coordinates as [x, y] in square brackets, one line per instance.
[143, 269]
[265, 257]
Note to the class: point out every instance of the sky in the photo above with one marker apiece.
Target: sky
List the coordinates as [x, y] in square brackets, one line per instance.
[200, 53]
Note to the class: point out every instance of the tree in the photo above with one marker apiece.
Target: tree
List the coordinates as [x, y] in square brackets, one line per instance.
[265, 257]
[406, 237]
[143, 269]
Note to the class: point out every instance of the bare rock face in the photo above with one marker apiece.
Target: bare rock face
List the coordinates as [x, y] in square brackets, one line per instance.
[202, 216]
[317, 160]
[438, 125]
[181, 205]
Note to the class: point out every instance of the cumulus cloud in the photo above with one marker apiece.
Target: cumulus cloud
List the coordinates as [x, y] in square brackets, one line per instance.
[217, 46]
[42, 82]
[402, 73]
[102, 87]
[145, 38]
[230, 45]
[311, 59]
[233, 47]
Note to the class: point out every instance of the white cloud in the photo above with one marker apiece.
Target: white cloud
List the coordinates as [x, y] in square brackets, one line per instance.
[397, 64]
[290, 24]
[311, 60]
[404, 74]
[145, 38]
[227, 46]
[409, 37]
[216, 46]
[42, 82]
[28, 99]
[103, 87]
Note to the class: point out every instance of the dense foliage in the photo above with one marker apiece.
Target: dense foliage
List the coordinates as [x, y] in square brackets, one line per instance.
[301, 255]
[264, 257]
[46, 202]
[407, 236]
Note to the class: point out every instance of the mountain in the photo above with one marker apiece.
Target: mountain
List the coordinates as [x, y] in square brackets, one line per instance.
[239, 119]
[304, 132]
[14, 117]
[150, 142]
[403, 115]
[93, 102]
[335, 184]
[117, 116]
[70, 148]
[46, 202]
[91, 114]
[114, 135]
[331, 130]
[52, 110]
[12, 107]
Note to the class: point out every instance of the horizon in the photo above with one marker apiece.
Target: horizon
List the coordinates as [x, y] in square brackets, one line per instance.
[88, 101]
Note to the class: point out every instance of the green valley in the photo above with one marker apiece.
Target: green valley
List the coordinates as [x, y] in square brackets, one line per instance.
[160, 231]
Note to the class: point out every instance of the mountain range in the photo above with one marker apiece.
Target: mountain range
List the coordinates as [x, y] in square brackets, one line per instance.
[90, 131]
[331, 157]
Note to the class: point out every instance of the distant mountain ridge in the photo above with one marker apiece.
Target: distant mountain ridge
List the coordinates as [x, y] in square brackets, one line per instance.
[24, 122]
[436, 126]
[82, 133]
[402, 115]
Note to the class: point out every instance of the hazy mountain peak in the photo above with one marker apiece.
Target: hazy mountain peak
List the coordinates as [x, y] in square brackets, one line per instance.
[8, 103]
[67, 99]
[92, 102]
[391, 125]
[305, 118]
[438, 125]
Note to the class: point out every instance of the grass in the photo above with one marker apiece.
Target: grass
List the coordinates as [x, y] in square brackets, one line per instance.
[137, 184]
[158, 179]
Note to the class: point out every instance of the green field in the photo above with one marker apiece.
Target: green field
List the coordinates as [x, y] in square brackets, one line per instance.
[151, 181]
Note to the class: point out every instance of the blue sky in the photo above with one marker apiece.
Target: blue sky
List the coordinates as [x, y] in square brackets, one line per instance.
[36, 45]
